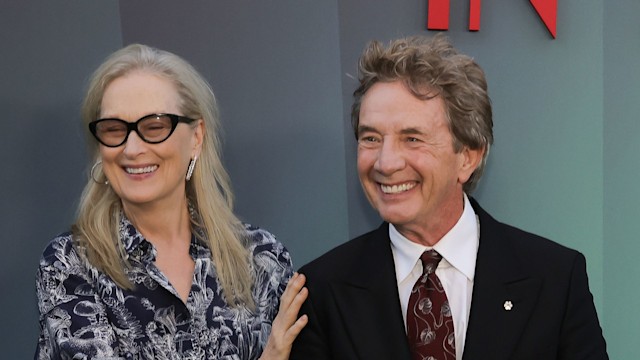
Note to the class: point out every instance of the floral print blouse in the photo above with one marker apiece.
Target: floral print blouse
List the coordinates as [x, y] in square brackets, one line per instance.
[85, 315]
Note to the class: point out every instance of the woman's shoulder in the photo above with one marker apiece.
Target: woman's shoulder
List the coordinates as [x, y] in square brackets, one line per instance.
[263, 243]
[59, 247]
[257, 237]
[271, 266]
[63, 256]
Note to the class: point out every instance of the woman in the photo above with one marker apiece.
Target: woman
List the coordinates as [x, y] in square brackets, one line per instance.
[157, 266]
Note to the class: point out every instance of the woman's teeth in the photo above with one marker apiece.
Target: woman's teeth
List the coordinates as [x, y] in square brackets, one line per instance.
[144, 170]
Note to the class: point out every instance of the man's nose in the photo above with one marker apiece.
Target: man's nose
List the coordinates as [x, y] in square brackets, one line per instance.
[390, 159]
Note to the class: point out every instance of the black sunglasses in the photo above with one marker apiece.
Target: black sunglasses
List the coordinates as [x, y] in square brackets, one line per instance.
[152, 128]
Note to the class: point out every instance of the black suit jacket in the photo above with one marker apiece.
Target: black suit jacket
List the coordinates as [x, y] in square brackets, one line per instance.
[354, 309]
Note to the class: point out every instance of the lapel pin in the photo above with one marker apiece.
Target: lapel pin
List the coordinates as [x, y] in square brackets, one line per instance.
[508, 305]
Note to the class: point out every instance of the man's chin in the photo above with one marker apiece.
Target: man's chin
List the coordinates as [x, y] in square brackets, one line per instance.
[395, 218]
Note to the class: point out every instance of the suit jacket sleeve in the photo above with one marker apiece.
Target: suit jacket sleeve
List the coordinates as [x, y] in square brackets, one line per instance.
[353, 304]
[311, 343]
[581, 336]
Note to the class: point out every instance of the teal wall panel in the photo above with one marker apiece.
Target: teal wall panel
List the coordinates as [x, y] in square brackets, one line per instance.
[621, 172]
[545, 174]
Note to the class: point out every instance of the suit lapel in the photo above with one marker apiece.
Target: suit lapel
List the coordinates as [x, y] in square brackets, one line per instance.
[504, 295]
[368, 301]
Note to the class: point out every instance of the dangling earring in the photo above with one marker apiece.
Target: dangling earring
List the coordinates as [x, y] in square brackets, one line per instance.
[192, 164]
[93, 169]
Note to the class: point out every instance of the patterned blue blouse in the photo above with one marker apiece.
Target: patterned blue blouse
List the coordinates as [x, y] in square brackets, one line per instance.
[85, 315]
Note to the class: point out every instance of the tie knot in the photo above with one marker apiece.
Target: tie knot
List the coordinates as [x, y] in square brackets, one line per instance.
[430, 260]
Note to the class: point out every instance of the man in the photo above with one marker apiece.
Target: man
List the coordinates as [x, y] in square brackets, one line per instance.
[488, 291]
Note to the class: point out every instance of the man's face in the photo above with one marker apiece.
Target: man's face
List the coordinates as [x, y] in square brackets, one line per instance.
[407, 164]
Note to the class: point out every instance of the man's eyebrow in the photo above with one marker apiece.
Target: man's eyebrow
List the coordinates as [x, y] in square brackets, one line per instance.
[412, 131]
[408, 131]
[365, 128]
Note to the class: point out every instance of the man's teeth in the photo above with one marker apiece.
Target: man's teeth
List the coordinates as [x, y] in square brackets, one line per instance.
[397, 188]
[143, 170]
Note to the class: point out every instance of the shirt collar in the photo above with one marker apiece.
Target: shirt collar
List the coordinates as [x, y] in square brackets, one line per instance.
[458, 247]
[131, 239]
[136, 246]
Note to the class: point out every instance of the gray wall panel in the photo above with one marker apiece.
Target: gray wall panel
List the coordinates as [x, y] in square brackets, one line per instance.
[274, 67]
[49, 48]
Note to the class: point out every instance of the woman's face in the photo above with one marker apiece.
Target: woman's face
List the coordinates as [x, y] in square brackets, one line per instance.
[144, 174]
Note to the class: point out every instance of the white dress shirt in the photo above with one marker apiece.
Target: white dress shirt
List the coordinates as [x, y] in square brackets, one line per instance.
[456, 270]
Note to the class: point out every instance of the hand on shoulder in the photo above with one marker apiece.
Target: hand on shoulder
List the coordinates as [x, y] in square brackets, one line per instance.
[286, 326]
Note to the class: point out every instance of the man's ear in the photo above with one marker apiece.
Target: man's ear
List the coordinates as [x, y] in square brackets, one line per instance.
[469, 161]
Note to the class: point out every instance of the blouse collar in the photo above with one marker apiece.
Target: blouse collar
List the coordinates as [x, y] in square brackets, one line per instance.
[136, 246]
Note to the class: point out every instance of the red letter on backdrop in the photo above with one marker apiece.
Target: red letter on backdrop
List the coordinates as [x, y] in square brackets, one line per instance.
[474, 15]
[438, 15]
[548, 12]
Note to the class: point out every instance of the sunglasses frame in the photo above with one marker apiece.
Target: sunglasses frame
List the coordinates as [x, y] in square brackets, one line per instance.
[133, 126]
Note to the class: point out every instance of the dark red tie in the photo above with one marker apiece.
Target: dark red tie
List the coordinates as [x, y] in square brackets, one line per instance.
[429, 321]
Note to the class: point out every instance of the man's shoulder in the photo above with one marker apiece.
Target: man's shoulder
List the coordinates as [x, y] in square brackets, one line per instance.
[526, 243]
[531, 246]
[345, 256]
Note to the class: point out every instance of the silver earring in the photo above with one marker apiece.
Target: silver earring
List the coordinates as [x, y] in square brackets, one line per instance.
[93, 169]
[192, 165]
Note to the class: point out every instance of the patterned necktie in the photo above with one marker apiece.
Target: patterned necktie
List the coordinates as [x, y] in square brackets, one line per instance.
[429, 321]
